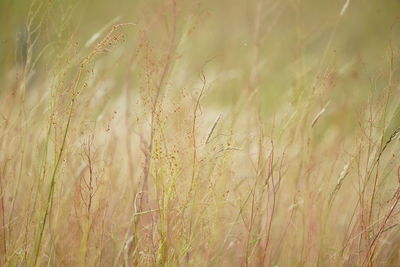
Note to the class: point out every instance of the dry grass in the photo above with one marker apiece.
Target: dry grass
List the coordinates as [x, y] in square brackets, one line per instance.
[211, 133]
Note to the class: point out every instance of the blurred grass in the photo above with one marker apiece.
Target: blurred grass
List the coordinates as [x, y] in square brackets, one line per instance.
[198, 133]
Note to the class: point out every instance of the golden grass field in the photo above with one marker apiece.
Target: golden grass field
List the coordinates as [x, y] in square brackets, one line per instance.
[199, 133]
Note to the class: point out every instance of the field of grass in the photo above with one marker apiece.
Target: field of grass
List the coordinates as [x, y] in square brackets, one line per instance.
[199, 133]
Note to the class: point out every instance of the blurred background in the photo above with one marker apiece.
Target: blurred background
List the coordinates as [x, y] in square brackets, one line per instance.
[291, 39]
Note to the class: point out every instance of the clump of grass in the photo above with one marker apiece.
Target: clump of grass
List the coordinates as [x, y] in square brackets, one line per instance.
[195, 134]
